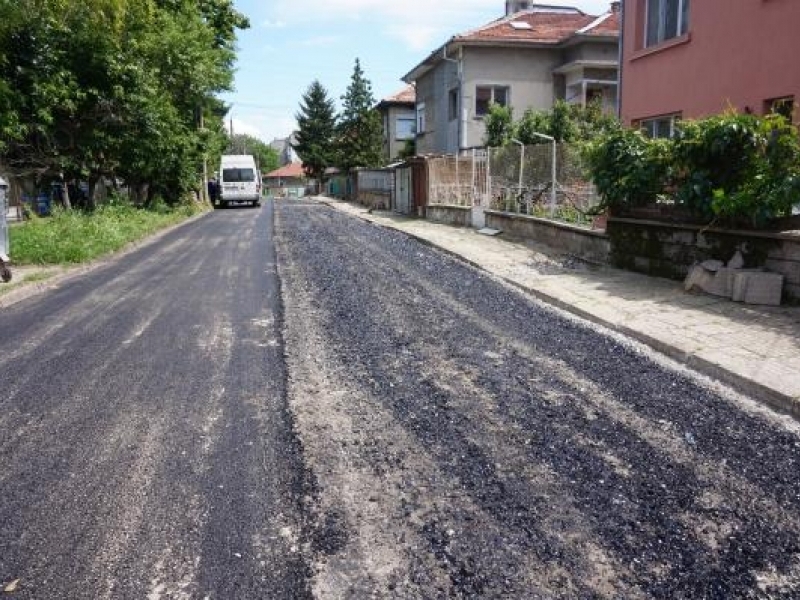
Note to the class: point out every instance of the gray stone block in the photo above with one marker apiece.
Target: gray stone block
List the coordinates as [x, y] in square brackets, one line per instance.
[757, 288]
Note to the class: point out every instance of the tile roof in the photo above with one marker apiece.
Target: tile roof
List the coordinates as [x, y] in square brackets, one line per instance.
[407, 95]
[542, 26]
[294, 169]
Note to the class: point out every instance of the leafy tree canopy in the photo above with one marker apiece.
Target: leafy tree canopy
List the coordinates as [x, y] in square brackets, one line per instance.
[266, 156]
[114, 88]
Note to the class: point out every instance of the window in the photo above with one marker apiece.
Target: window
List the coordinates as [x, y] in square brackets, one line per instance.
[485, 95]
[238, 175]
[666, 19]
[420, 118]
[782, 106]
[405, 128]
[452, 105]
[660, 127]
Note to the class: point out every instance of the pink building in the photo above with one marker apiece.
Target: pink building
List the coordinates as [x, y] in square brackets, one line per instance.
[692, 58]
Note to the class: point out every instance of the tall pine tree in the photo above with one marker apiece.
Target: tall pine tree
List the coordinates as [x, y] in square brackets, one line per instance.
[316, 123]
[359, 132]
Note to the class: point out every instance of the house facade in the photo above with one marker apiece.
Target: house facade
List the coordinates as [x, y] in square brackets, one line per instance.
[399, 121]
[285, 149]
[289, 180]
[528, 59]
[694, 58]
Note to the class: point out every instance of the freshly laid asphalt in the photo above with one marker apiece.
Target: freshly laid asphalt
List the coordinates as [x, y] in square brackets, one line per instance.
[469, 442]
[753, 348]
[145, 444]
[291, 402]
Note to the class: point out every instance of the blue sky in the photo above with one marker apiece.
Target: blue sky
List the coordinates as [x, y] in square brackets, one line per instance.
[292, 42]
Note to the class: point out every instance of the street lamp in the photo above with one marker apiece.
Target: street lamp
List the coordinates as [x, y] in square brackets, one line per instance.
[552, 140]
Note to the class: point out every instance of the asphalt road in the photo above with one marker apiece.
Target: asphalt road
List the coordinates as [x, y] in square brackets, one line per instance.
[467, 442]
[314, 406]
[145, 444]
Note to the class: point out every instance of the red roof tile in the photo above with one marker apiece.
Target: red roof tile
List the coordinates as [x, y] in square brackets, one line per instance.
[607, 25]
[407, 95]
[294, 169]
[542, 26]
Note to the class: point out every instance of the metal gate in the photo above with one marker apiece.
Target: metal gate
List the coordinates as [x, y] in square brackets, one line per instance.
[403, 204]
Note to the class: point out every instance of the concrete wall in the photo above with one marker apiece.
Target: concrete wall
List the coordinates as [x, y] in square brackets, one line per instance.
[527, 72]
[669, 250]
[392, 146]
[460, 216]
[432, 89]
[592, 51]
[736, 53]
[587, 244]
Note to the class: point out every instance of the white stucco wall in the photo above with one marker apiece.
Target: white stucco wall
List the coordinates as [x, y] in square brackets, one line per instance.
[527, 72]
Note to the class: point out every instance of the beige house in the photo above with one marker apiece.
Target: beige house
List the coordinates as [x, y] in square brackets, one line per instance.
[399, 121]
[528, 59]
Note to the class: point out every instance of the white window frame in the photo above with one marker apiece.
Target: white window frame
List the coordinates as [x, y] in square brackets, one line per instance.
[661, 35]
[647, 125]
[493, 88]
[420, 118]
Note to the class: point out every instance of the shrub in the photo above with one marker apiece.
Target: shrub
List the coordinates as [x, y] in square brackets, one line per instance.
[714, 154]
[742, 169]
[627, 168]
[771, 187]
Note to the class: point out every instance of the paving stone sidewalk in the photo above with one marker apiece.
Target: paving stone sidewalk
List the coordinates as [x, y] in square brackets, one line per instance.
[755, 349]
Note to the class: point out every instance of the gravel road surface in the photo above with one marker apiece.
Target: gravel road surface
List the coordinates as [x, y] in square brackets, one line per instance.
[146, 449]
[466, 442]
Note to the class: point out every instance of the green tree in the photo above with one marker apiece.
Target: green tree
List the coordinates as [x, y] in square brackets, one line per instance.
[499, 125]
[316, 123]
[93, 89]
[266, 156]
[533, 121]
[359, 131]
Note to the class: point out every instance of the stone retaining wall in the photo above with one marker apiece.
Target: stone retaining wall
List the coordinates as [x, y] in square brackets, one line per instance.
[588, 244]
[460, 216]
[669, 250]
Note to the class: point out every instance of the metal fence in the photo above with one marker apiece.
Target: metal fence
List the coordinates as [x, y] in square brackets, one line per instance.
[521, 181]
[517, 179]
[374, 187]
[459, 181]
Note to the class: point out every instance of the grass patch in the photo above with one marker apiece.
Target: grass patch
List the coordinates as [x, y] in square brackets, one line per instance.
[30, 278]
[72, 237]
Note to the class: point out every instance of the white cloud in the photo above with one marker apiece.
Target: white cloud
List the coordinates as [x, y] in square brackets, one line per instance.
[416, 37]
[263, 126]
[415, 22]
[320, 40]
[419, 24]
[277, 24]
[246, 127]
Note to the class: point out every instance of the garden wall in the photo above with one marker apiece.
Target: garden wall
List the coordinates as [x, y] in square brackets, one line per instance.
[668, 250]
[588, 244]
[460, 216]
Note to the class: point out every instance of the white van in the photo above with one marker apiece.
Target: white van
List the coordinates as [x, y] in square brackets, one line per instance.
[239, 180]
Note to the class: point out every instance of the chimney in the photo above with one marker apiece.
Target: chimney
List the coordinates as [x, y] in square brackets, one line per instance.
[615, 7]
